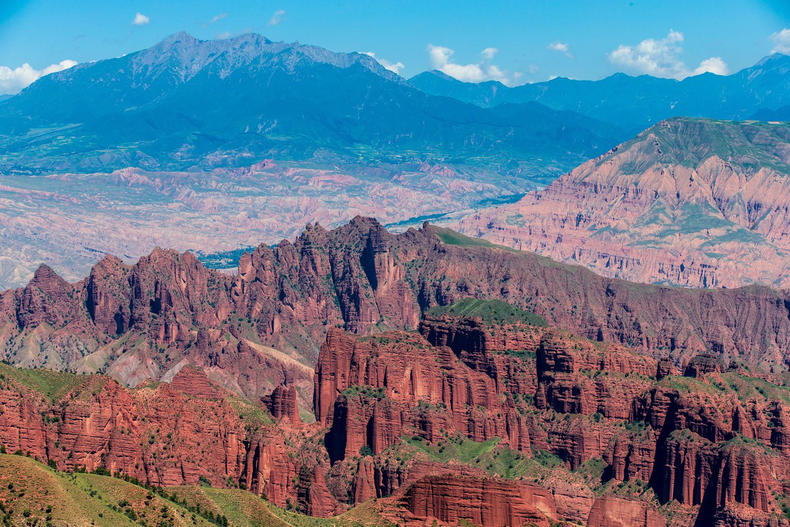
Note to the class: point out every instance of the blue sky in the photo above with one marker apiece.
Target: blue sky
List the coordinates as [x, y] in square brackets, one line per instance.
[512, 41]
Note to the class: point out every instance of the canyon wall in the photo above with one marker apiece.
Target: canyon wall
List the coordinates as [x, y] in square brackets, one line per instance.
[690, 202]
[558, 427]
[263, 326]
[713, 443]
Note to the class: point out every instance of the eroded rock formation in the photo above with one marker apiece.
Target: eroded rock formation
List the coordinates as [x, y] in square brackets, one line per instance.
[169, 434]
[495, 424]
[682, 203]
[453, 499]
[263, 327]
[593, 429]
[698, 441]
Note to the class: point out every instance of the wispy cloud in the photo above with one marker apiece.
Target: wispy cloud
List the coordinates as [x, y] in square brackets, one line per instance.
[395, 67]
[661, 57]
[14, 80]
[277, 17]
[488, 53]
[441, 58]
[140, 19]
[217, 18]
[781, 40]
[562, 47]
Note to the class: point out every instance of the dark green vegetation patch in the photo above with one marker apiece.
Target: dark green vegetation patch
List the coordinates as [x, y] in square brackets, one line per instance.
[492, 311]
[450, 237]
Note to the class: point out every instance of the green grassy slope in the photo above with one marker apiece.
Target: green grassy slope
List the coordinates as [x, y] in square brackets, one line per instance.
[33, 494]
[492, 311]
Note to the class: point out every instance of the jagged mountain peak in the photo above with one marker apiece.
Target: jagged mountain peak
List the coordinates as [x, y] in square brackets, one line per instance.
[161, 107]
[180, 57]
[187, 56]
[773, 60]
[176, 38]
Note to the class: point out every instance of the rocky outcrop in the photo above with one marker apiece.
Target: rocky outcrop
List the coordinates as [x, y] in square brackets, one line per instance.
[701, 365]
[454, 500]
[610, 511]
[171, 434]
[45, 300]
[696, 471]
[194, 383]
[570, 380]
[373, 390]
[698, 441]
[264, 326]
[740, 516]
[387, 401]
[365, 481]
[282, 403]
[467, 420]
[679, 204]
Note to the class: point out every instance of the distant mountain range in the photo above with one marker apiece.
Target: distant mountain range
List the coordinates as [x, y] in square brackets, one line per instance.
[216, 145]
[634, 103]
[187, 103]
[694, 202]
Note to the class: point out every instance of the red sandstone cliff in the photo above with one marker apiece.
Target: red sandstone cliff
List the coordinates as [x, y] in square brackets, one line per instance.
[682, 203]
[712, 444]
[452, 500]
[170, 434]
[691, 442]
[263, 327]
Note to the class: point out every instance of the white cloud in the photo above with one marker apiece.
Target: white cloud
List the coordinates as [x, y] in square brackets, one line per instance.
[488, 53]
[656, 57]
[395, 67]
[277, 17]
[218, 17]
[562, 47]
[661, 58]
[713, 65]
[781, 40]
[223, 35]
[441, 59]
[140, 19]
[14, 80]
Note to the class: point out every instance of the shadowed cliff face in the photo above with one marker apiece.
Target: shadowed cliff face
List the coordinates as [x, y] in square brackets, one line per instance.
[693, 202]
[262, 327]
